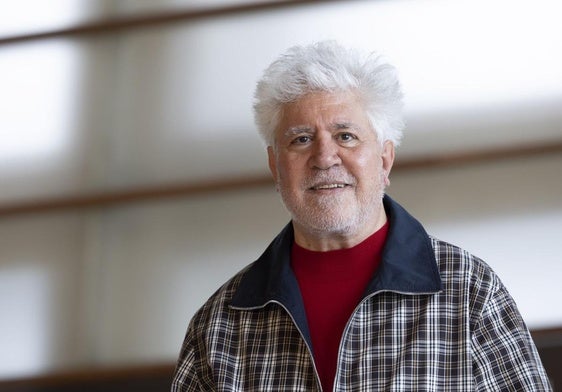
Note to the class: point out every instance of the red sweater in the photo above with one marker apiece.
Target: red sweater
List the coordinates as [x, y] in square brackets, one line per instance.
[332, 284]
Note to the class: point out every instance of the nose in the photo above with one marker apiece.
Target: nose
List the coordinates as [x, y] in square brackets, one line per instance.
[324, 153]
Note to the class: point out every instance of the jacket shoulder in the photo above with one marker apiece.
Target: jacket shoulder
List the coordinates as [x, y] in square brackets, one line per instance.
[466, 276]
[455, 261]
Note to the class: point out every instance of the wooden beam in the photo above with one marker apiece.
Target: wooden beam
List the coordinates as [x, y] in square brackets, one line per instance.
[479, 156]
[547, 337]
[94, 376]
[110, 198]
[116, 24]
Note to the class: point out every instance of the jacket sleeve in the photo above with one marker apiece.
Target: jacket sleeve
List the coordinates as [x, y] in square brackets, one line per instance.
[192, 370]
[504, 355]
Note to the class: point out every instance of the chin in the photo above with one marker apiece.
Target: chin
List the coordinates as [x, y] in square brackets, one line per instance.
[329, 224]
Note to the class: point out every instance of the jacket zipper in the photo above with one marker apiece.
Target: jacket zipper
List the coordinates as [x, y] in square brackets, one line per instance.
[347, 325]
[298, 329]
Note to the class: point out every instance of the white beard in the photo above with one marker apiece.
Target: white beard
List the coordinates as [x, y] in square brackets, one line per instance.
[341, 214]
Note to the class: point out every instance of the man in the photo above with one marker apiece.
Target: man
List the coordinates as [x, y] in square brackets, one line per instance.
[352, 294]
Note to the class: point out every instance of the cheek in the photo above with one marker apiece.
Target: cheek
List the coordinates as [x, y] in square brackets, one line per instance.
[368, 170]
[365, 165]
[290, 168]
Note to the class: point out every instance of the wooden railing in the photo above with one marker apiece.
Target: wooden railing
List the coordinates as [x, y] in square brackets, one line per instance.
[106, 198]
[147, 378]
[107, 25]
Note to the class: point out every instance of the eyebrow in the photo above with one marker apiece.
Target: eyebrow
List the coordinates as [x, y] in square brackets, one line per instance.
[297, 130]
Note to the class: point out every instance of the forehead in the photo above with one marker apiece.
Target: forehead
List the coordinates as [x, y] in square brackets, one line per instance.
[317, 106]
[323, 110]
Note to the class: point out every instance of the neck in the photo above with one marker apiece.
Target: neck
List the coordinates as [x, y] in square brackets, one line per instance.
[322, 241]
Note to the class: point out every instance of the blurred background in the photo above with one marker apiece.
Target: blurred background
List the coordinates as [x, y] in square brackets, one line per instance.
[133, 182]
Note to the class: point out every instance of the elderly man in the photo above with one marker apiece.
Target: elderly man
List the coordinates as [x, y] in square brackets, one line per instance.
[353, 294]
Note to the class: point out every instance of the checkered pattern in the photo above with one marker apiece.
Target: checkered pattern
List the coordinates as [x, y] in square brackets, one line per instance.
[468, 337]
[403, 336]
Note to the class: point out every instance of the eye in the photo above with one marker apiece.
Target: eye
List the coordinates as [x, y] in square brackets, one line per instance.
[346, 137]
[302, 139]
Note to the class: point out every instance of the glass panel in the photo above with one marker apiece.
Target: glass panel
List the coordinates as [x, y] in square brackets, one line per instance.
[509, 213]
[117, 287]
[169, 104]
[40, 293]
[39, 151]
[162, 260]
[32, 16]
[192, 120]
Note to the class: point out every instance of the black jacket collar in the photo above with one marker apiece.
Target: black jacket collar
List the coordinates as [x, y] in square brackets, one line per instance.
[408, 266]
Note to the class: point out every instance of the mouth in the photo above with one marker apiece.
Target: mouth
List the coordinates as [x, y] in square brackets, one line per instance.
[329, 186]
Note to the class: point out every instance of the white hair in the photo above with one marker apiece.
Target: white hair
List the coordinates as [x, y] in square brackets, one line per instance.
[327, 66]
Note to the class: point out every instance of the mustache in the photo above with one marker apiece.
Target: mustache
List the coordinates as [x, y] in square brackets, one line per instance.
[329, 177]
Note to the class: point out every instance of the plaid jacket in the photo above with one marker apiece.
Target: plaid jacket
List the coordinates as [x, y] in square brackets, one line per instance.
[434, 318]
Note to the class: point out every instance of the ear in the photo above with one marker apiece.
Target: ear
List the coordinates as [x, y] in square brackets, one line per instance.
[387, 156]
[272, 162]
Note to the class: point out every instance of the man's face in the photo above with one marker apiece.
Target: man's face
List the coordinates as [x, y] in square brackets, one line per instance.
[329, 166]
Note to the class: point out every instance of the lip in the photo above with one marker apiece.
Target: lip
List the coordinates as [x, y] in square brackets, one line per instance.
[329, 186]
